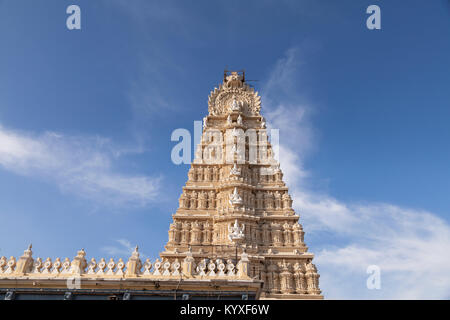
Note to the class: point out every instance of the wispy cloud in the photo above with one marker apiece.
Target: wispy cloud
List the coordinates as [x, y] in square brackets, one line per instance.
[80, 165]
[124, 248]
[410, 246]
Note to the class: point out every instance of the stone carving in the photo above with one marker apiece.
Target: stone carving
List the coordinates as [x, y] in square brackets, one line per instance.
[66, 266]
[157, 267]
[235, 171]
[111, 266]
[235, 105]
[147, 267]
[37, 265]
[120, 267]
[239, 120]
[92, 266]
[220, 100]
[235, 198]
[176, 267]
[56, 266]
[235, 232]
[2, 263]
[101, 267]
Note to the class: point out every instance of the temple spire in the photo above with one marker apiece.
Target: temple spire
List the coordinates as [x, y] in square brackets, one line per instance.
[232, 198]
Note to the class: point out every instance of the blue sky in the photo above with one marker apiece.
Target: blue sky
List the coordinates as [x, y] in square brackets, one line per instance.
[86, 118]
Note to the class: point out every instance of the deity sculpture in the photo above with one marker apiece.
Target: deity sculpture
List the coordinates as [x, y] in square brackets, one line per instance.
[239, 120]
[235, 198]
[235, 232]
[235, 171]
[235, 106]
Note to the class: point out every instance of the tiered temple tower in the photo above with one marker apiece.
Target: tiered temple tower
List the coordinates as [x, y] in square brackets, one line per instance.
[235, 201]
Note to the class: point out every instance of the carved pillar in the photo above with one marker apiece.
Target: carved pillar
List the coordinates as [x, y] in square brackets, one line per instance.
[259, 200]
[274, 280]
[184, 201]
[216, 233]
[193, 200]
[286, 279]
[252, 200]
[276, 235]
[185, 230]
[298, 234]
[244, 266]
[191, 174]
[202, 200]
[188, 265]
[254, 233]
[172, 233]
[199, 174]
[255, 175]
[287, 201]
[264, 277]
[266, 200]
[287, 234]
[211, 200]
[278, 205]
[195, 234]
[278, 175]
[79, 263]
[312, 279]
[207, 233]
[134, 264]
[300, 280]
[266, 234]
[207, 174]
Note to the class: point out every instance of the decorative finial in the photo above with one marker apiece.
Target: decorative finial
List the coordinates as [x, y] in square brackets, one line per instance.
[28, 252]
[135, 253]
[234, 79]
[239, 120]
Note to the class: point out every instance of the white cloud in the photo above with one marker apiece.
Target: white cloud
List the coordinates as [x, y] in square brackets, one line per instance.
[123, 249]
[411, 247]
[79, 165]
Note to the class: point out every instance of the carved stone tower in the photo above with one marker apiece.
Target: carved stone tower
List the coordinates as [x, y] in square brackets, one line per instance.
[235, 207]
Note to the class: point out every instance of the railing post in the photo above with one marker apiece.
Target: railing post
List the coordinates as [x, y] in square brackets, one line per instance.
[25, 263]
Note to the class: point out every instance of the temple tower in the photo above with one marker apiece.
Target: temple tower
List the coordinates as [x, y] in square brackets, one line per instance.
[235, 207]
